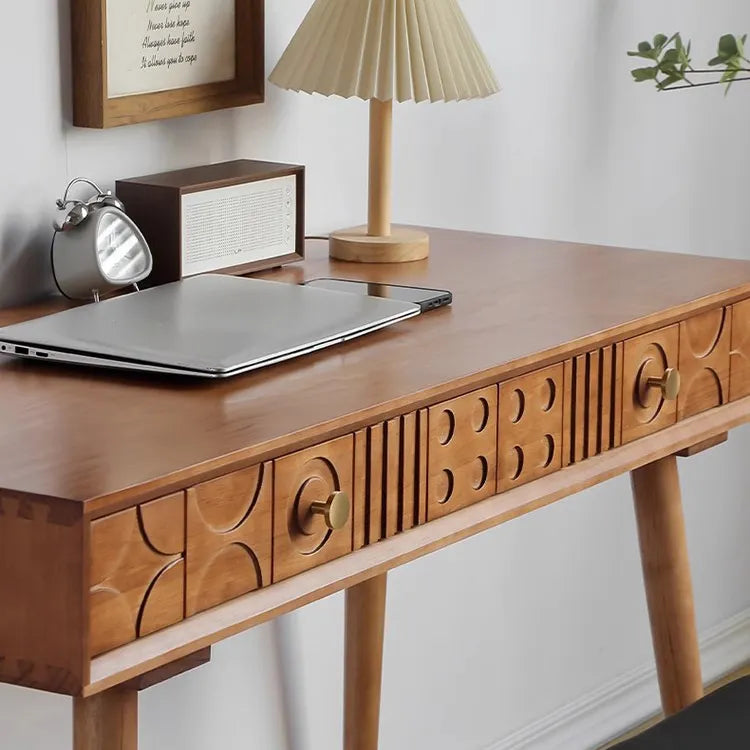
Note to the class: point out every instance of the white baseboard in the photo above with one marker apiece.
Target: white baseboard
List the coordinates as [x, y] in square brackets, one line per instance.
[604, 713]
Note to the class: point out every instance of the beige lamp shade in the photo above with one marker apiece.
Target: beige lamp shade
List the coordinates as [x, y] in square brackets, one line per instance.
[386, 49]
[381, 51]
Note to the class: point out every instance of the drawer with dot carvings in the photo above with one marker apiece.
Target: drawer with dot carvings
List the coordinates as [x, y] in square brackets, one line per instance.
[462, 452]
[137, 570]
[530, 428]
[162, 561]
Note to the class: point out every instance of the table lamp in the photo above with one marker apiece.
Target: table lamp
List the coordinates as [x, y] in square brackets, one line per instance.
[381, 50]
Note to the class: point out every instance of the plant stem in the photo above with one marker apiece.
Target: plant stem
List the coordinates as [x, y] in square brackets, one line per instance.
[707, 83]
[716, 72]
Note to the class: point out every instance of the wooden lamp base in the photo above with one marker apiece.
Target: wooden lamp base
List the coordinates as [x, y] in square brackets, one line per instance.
[400, 246]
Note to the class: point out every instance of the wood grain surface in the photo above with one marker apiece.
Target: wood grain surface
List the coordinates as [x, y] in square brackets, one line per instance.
[261, 606]
[43, 633]
[593, 397]
[363, 662]
[519, 304]
[461, 452]
[704, 361]
[108, 721]
[669, 589]
[740, 354]
[137, 572]
[644, 408]
[530, 442]
[301, 539]
[229, 535]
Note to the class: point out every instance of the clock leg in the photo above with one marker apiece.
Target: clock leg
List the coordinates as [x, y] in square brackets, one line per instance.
[107, 721]
[363, 663]
[666, 574]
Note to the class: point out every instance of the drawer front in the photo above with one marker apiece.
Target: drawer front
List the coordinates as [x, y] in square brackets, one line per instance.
[593, 403]
[305, 483]
[137, 572]
[531, 425]
[704, 362]
[228, 537]
[462, 452]
[740, 359]
[390, 476]
[647, 358]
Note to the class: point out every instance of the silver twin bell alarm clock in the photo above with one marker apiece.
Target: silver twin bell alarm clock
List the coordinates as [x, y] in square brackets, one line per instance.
[96, 247]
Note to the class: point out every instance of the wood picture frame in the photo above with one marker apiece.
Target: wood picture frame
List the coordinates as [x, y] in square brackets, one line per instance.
[93, 107]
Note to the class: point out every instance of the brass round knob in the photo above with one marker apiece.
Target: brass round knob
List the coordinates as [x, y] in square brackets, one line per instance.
[668, 384]
[335, 510]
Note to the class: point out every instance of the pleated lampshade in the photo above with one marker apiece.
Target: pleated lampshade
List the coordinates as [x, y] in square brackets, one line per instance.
[386, 49]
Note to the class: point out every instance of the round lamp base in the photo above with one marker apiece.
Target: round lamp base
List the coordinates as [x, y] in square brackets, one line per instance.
[400, 246]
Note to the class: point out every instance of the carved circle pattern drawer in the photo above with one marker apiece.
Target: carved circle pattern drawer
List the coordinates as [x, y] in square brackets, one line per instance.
[154, 564]
[228, 537]
[137, 572]
[302, 539]
[644, 408]
[704, 362]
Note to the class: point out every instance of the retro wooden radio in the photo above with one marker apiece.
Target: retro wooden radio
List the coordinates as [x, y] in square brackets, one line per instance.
[235, 217]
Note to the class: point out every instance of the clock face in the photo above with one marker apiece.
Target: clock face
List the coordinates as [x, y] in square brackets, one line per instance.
[122, 253]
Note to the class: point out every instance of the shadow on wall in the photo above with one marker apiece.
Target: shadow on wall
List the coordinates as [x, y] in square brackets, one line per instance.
[26, 236]
[24, 263]
[66, 63]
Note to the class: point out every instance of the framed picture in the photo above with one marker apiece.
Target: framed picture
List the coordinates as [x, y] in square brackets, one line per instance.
[140, 60]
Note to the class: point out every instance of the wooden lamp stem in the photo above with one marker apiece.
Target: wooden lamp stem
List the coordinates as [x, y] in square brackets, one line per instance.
[378, 241]
[381, 169]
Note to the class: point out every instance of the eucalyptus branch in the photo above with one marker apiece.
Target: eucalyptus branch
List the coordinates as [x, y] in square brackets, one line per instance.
[672, 66]
[705, 83]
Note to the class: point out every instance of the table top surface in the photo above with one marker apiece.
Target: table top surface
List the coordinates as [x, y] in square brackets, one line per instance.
[109, 439]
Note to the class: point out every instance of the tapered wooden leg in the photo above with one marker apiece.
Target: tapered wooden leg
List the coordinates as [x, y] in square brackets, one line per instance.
[669, 591]
[108, 721]
[363, 663]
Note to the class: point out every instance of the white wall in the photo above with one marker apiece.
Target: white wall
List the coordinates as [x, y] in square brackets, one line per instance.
[500, 630]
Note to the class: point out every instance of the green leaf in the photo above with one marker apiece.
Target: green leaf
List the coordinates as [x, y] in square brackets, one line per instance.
[644, 74]
[668, 81]
[728, 46]
[728, 78]
[646, 56]
[716, 61]
[644, 47]
[660, 40]
[671, 56]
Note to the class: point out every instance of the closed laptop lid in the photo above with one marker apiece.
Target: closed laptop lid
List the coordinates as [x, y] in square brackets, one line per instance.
[210, 323]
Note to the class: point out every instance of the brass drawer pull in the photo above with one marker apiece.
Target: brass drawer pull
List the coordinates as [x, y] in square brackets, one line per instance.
[668, 384]
[335, 510]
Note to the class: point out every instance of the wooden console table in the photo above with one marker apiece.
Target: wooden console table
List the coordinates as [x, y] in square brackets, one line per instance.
[143, 519]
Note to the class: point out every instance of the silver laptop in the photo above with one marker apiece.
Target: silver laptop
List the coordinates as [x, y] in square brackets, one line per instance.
[209, 326]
